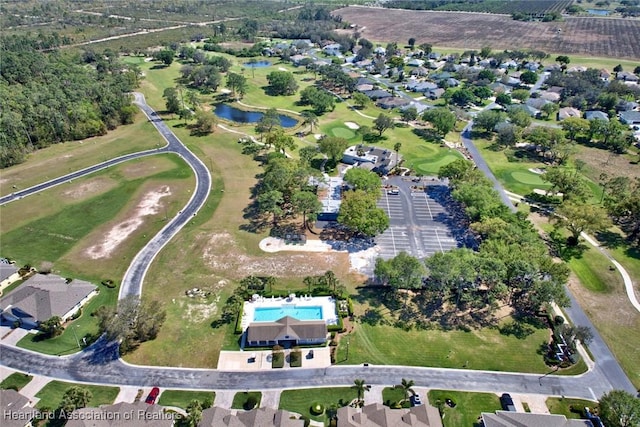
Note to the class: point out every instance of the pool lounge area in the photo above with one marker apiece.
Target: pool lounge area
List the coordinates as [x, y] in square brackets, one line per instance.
[304, 308]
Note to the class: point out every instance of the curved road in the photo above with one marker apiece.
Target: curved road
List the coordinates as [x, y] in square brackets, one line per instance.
[100, 362]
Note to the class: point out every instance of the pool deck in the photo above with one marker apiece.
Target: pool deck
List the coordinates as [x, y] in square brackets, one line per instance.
[328, 305]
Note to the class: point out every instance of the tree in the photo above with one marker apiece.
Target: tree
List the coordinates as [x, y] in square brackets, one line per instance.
[360, 386]
[409, 114]
[307, 154]
[488, 119]
[549, 109]
[520, 94]
[75, 398]
[401, 272]
[617, 69]
[485, 52]
[333, 147]
[51, 327]
[455, 170]
[306, 203]
[237, 84]
[487, 75]
[563, 60]
[503, 99]
[574, 126]
[412, 43]
[569, 184]
[360, 100]
[194, 413]
[427, 48]
[396, 147]
[441, 119]
[165, 56]
[407, 387]
[309, 118]
[171, 100]
[519, 117]
[580, 217]
[382, 123]
[205, 122]
[528, 77]
[268, 121]
[280, 140]
[507, 135]
[282, 83]
[462, 97]
[362, 179]
[619, 408]
[358, 211]
[270, 202]
[193, 99]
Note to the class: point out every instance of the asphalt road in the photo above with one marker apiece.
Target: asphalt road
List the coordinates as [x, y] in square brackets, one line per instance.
[134, 276]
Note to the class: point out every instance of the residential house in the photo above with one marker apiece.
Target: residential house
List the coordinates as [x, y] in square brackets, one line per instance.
[377, 415]
[630, 117]
[434, 55]
[532, 66]
[43, 296]
[392, 102]
[380, 51]
[420, 107]
[605, 75]
[333, 49]
[595, 114]
[415, 62]
[566, 112]
[550, 96]
[511, 81]
[262, 417]
[626, 76]
[577, 69]
[623, 105]
[377, 94]
[508, 64]
[419, 71]
[296, 60]
[527, 419]
[123, 414]
[287, 330]
[16, 410]
[531, 111]
[8, 274]
[379, 160]
[537, 103]
[498, 88]
[451, 82]
[434, 94]
[420, 87]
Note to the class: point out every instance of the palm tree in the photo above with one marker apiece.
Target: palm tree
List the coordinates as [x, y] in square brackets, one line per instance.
[407, 387]
[360, 386]
[309, 118]
[396, 148]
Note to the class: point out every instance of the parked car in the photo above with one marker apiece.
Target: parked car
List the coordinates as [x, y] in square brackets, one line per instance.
[415, 400]
[393, 192]
[507, 402]
[151, 399]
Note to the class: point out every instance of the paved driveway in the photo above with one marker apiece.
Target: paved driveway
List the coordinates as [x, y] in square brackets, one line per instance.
[420, 221]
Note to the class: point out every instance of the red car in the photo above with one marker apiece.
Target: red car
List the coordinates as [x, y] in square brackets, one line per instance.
[151, 399]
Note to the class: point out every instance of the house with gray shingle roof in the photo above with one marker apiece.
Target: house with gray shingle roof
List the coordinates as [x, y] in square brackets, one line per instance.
[263, 417]
[43, 296]
[527, 419]
[8, 275]
[595, 114]
[15, 409]
[287, 330]
[377, 415]
[630, 117]
[566, 112]
[138, 414]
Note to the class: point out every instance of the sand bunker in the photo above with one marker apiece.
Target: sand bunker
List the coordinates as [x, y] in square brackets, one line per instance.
[150, 205]
[351, 125]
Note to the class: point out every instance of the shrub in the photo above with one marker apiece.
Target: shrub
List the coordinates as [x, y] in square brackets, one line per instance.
[109, 283]
[295, 359]
[558, 320]
[277, 360]
[250, 403]
[316, 409]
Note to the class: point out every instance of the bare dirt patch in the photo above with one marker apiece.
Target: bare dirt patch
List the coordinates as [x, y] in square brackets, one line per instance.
[89, 189]
[223, 254]
[605, 37]
[598, 161]
[149, 205]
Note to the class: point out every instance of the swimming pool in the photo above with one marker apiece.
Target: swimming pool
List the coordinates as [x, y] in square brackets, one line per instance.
[271, 314]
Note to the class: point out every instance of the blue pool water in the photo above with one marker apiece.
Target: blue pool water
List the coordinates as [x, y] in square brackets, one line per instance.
[271, 314]
[599, 12]
[228, 112]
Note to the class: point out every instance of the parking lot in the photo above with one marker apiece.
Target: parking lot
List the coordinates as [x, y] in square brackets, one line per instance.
[419, 222]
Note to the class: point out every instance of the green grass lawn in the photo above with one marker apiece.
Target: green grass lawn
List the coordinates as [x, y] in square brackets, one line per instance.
[182, 398]
[15, 381]
[51, 394]
[468, 407]
[393, 395]
[240, 399]
[386, 345]
[592, 268]
[300, 401]
[84, 326]
[564, 406]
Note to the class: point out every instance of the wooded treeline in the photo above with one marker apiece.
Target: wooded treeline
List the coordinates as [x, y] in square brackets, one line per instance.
[54, 97]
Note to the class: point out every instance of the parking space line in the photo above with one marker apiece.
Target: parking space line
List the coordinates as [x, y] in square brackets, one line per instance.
[439, 243]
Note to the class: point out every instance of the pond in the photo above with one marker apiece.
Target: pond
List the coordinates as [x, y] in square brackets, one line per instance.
[599, 12]
[228, 112]
[257, 64]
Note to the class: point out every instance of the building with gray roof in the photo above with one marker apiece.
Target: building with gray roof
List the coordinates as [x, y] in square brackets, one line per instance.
[43, 296]
[287, 330]
[377, 415]
[527, 419]
[15, 409]
[263, 417]
[138, 414]
[379, 160]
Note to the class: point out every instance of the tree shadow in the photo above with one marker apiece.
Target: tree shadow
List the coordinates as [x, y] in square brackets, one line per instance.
[611, 239]
[520, 330]
[428, 135]
[563, 249]
[159, 67]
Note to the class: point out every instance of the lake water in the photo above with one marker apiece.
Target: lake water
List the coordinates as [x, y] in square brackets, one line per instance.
[228, 112]
[599, 12]
[257, 64]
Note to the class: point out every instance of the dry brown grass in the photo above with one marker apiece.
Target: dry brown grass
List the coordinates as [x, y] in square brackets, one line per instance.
[598, 161]
[606, 37]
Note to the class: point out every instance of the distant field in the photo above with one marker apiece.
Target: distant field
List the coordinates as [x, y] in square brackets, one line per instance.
[606, 37]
